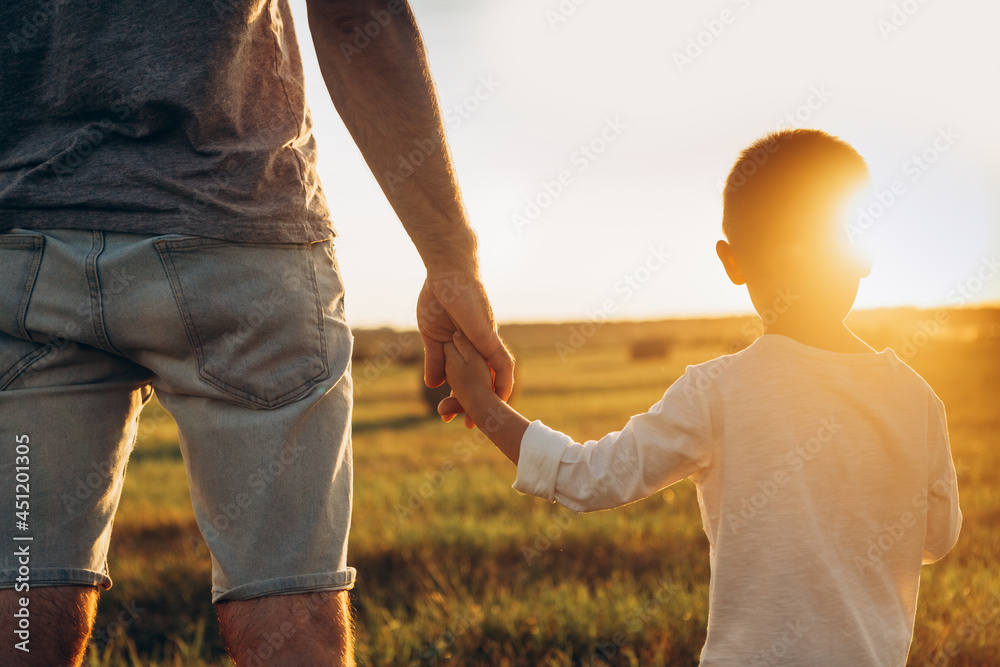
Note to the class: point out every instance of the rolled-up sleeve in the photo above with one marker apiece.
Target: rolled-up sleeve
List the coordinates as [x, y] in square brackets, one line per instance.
[671, 441]
[541, 451]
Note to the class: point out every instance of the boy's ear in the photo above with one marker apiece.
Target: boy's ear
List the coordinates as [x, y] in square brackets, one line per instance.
[725, 253]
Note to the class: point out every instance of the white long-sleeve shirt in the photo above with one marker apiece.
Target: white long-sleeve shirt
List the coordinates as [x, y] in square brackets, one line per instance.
[824, 479]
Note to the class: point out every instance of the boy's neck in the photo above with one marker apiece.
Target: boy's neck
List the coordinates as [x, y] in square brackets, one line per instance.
[834, 337]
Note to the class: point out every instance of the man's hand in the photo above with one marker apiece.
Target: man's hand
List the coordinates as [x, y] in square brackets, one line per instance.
[453, 303]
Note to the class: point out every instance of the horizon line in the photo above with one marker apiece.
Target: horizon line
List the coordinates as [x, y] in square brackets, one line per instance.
[983, 305]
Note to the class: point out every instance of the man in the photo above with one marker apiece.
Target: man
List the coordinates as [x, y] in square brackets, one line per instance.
[162, 227]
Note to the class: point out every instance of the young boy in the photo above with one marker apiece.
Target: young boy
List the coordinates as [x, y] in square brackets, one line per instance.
[823, 467]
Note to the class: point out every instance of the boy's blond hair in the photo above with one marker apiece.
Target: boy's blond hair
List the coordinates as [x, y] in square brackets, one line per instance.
[789, 185]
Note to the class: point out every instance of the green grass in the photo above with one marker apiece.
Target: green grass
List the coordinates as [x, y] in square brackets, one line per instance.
[457, 568]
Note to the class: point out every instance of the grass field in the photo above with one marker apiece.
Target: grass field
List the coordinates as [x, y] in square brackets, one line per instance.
[455, 568]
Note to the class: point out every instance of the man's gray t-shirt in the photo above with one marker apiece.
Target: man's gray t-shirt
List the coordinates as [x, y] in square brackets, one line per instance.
[187, 116]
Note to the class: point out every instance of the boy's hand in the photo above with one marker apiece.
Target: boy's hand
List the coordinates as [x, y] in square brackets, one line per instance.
[469, 376]
[471, 381]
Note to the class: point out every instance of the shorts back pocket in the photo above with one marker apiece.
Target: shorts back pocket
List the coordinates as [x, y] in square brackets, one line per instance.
[253, 315]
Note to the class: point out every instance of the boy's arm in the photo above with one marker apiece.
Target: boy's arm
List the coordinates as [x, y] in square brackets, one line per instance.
[472, 381]
[944, 517]
[655, 449]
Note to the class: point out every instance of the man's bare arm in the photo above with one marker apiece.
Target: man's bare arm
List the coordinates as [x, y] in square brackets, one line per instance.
[385, 96]
[381, 87]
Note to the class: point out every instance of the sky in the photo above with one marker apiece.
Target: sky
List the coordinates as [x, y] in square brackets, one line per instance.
[591, 138]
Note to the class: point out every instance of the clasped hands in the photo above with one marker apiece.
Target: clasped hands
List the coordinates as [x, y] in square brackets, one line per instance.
[461, 343]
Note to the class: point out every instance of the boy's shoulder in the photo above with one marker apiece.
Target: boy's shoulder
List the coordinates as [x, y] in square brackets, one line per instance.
[773, 357]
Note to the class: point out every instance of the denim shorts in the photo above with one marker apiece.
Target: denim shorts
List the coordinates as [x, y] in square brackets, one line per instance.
[246, 346]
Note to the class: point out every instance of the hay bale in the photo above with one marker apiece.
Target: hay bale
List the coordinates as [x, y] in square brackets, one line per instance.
[649, 348]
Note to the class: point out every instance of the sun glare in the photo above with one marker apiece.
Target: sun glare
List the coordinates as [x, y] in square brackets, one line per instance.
[931, 228]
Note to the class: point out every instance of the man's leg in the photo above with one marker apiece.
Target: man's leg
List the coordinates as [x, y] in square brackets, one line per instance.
[61, 618]
[258, 380]
[298, 629]
[69, 407]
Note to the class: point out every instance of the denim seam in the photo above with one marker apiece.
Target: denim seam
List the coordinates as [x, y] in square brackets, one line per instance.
[37, 245]
[94, 287]
[175, 286]
[63, 576]
[99, 325]
[340, 580]
[320, 321]
[22, 364]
